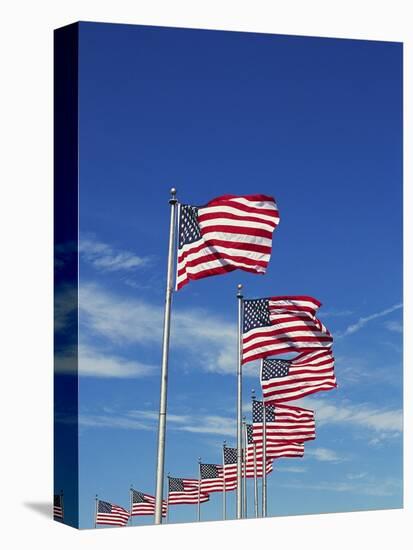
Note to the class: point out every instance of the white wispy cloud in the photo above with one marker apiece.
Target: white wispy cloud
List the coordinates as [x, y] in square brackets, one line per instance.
[291, 469]
[148, 420]
[65, 307]
[323, 455]
[363, 486]
[93, 362]
[351, 329]
[357, 415]
[208, 340]
[394, 326]
[355, 369]
[106, 257]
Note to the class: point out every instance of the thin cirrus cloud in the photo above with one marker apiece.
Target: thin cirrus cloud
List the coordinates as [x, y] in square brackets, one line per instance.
[208, 340]
[92, 362]
[394, 326]
[364, 486]
[148, 421]
[388, 423]
[105, 257]
[324, 455]
[355, 327]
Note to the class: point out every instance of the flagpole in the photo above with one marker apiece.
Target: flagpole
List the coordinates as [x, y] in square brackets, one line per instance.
[199, 488]
[239, 406]
[164, 373]
[167, 501]
[96, 509]
[130, 503]
[255, 469]
[264, 460]
[224, 492]
[244, 456]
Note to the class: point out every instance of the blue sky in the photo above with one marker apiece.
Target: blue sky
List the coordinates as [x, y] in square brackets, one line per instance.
[317, 123]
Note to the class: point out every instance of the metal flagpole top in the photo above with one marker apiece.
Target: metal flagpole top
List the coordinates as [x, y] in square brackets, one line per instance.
[253, 395]
[239, 290]
[173, 192]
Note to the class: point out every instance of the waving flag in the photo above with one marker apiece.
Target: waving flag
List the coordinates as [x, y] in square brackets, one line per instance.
[58, 506]
[282, 324]
[285, 449]
[111, 514]
[230, 232]
[144, 505]
[284, 423]
[185, 491]
[285, 380]
[212, 479]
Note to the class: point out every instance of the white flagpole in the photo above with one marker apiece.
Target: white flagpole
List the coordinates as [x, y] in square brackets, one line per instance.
[264, 461]
[255, 469]
[224, 493]
[130, 503]
[199, 489]
[239, 406]
[96, 510]
[244, 455]
[165, 353]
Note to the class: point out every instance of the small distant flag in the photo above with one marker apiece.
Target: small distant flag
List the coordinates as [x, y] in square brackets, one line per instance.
[111, 514]
[230, 463]
[284, 380]
[185, 491]
[230, 232]
[284, 423]
[282, 324]
[58, 506]
[212, 479]
[144, 505]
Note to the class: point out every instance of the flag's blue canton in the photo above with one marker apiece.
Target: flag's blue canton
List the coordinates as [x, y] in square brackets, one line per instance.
[189, 231]
[137, 496]
[257, 412]
[230, 455]
[209, 471]
[275, 368]
[256, 314]
[104, 507]
[176, 484]
[250, 434]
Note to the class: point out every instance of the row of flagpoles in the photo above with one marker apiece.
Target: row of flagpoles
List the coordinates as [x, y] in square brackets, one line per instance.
[235, 232]
[263, 442]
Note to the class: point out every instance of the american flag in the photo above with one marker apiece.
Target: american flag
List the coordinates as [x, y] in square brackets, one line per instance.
[282, 324]
[144, 505]
[58, 506]
[285, 449]
[230, 232]
[185, 491]
[285, 380]
[111, 514]
[212, 479]
[249, 456]
[230, 463]
[284, 423]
